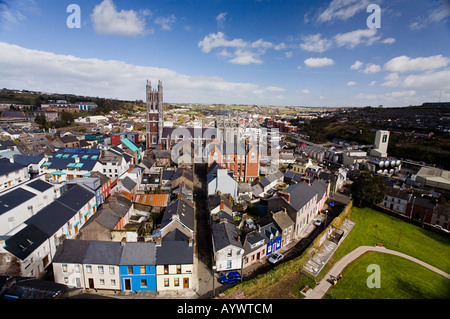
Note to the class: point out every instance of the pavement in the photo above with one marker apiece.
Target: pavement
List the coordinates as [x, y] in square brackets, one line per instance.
[315, 264]
[325, 284]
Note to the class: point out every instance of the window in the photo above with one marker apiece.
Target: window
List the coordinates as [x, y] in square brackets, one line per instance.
[101, 270]
[143, 271]
[166, 269]
[176, 282]
[178, 269]
[130, 270]
[166, 282]
[77, 268]
[113, 282]
[230, 253]
[228, 264]
[111, 270]
[102, 282]
[66, 280]
[64, 267]
[143, 283]
[89, 269]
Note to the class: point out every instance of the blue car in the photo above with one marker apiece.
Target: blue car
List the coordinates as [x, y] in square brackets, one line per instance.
[231, 277]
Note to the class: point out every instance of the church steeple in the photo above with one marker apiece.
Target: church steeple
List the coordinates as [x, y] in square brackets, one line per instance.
[154, 114]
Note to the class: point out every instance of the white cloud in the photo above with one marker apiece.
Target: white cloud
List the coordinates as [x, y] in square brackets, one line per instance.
[107, 20]
[430, 80]
[217, 40]
[371, 68]
[289, 54]
[353, 38]
[245, 57]
[49, 72]
[166, 22]
[305, 91]
[221, 17]
[440, 14]
[314, 43]
[245, 52]
[357, 65]
[389, 41]
[372, 83]
[342, 10]
[351, 83]
[318, 62]
[406, 64]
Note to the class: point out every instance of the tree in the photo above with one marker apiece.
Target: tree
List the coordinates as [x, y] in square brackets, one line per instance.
[41, 120]
[368, 189]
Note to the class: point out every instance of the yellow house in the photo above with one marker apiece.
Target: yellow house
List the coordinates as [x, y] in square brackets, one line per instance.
[301, 164]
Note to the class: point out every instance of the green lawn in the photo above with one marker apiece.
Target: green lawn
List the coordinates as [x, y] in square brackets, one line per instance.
[374, 227]
[399, 279]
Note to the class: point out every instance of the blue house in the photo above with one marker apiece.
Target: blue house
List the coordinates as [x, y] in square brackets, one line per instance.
[138, 267]
[272, 238]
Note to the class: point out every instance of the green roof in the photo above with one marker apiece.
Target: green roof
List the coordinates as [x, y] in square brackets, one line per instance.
[130, 145]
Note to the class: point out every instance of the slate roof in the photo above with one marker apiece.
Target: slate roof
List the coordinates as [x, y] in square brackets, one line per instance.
[184, 210]
[26, 160]
[77, 251]
[128, 183]
[175, 250]
[76, 197]
[137, 253]
[225, 234]
[24, 242]
[282, 219]
[301, 194]
[7, 167]
[52, 217]
[13, 199]
[103, 252]
[40, 185]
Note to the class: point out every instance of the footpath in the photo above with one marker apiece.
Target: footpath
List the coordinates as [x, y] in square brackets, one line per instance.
[325, 284]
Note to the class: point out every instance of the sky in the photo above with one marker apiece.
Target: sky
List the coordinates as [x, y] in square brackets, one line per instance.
[264, 52]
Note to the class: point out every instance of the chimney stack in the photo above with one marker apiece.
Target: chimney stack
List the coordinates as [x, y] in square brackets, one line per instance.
[222, 204]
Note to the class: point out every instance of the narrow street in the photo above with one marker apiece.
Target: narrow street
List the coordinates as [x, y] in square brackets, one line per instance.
[203, 239]
[300, 246]
[207, 285]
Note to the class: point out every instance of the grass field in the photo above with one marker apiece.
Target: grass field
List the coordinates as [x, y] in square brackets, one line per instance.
[374, 227]
[399, 279]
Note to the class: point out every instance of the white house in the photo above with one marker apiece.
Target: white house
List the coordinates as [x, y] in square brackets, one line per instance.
[12, 173]
[88, 264]
[22, 202]
[396, 199]
[227, 247]
[29, 251]
[222, 180]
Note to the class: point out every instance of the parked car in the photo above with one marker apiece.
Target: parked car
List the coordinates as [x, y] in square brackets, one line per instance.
[276, 257]
[318, 221]
[229, 278]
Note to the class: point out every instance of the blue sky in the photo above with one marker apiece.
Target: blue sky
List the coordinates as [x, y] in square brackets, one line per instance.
[310, 53]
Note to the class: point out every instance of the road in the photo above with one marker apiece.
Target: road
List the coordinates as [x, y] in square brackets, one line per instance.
[300, 246]
[203, 240]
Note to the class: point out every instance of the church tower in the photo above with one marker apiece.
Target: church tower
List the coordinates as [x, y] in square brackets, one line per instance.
[154, 115]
